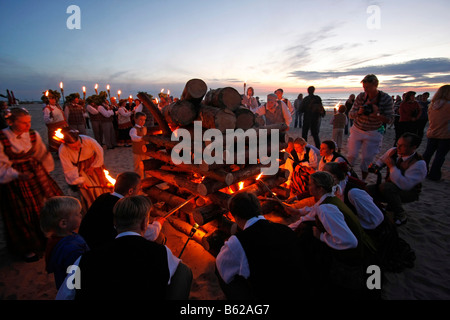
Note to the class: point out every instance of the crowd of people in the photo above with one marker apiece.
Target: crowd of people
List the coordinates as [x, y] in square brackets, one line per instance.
[107, 233]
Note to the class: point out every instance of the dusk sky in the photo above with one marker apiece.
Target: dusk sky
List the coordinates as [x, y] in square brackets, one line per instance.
[149, 45]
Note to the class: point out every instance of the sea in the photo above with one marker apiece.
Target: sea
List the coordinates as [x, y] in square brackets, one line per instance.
[332, 100]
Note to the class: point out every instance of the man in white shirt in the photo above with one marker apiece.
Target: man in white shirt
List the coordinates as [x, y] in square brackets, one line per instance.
[263, 260]
[406, 171]
[274, 111]
[129, 267]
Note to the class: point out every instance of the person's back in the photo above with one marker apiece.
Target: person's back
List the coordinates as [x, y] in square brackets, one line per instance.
[97, 226]
[128, 268]
[274, 260]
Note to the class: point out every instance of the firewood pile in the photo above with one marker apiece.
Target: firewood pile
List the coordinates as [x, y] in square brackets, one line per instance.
[212, 184]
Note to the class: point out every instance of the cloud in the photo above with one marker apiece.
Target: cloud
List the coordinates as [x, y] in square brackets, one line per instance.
[432, 71]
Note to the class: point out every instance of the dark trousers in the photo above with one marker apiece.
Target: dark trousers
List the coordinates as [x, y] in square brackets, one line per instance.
[441, 147]
[393, 195]
[314, 126]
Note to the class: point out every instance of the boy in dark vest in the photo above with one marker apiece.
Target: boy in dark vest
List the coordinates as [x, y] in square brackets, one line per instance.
[263, 260]
[406, 171]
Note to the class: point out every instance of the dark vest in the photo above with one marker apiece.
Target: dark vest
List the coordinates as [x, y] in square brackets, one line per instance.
[365, 244]
[274, 260]
[276, 116]
[128, 268]
[139, 147]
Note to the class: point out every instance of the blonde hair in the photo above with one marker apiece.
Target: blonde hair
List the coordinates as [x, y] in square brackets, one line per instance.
[55, 209]
[323, 179]
[300, 141]
[443, 93]
[130, 211]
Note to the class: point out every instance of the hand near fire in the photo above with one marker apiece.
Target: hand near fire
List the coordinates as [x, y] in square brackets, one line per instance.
[161, 220]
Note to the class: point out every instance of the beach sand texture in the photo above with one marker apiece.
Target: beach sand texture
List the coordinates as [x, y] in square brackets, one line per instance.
[427, 231]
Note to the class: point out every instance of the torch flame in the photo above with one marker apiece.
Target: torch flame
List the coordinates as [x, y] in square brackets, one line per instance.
[84, 89]
[337, 104]
[61, 85]
[107, 87]
[96, 86]
[108, 177]
[162, 90]
[46, 93]
[168, 92]
[58, 135]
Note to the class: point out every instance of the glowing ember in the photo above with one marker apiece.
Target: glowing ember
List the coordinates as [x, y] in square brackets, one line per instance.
[108, 177]
[259, 176]
[58, 135]
[241, 185]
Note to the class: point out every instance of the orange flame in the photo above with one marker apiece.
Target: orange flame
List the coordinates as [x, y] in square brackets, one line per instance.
[108, 177]
[259, 176]
[241, 185]
[58, 135]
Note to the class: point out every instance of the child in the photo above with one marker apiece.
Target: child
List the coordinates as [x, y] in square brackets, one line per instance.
[137, 134]
[60, 220]
[339, 122]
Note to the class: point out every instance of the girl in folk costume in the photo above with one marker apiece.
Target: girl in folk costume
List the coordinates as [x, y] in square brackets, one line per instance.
[74, 112]
[54, 117]
[25, 184]
[124, 124]
[336, 246]
[82, 162]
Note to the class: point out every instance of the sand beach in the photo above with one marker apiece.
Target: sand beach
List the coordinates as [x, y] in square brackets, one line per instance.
[427, 231]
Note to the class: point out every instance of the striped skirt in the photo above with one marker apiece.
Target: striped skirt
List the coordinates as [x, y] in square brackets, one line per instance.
[300, 181]
[21, 204]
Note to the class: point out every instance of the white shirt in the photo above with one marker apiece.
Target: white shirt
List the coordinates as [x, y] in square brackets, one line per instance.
[133, 134]
[68, 157]
[328, 159]
[369, 215]
[64, 293]
[413, 175]
[231, 260]
[57, 114]
[338, 235]
[18, 145]
[105, 112]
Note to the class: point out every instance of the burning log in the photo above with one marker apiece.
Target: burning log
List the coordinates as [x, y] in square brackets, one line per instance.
[145, 99]
[217, 118]
[172, 200]
[219, 175]
[185, 228]
[194, 91]
[177, 180]
[208, 213]
[224, 98]
[213, 242]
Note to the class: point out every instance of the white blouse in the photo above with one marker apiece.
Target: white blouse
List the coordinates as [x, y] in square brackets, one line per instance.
[68, 157]
[337, 235]
[20, 144]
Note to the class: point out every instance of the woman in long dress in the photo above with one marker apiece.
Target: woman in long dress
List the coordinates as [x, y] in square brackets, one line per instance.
[82, 163]
[25, 184]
